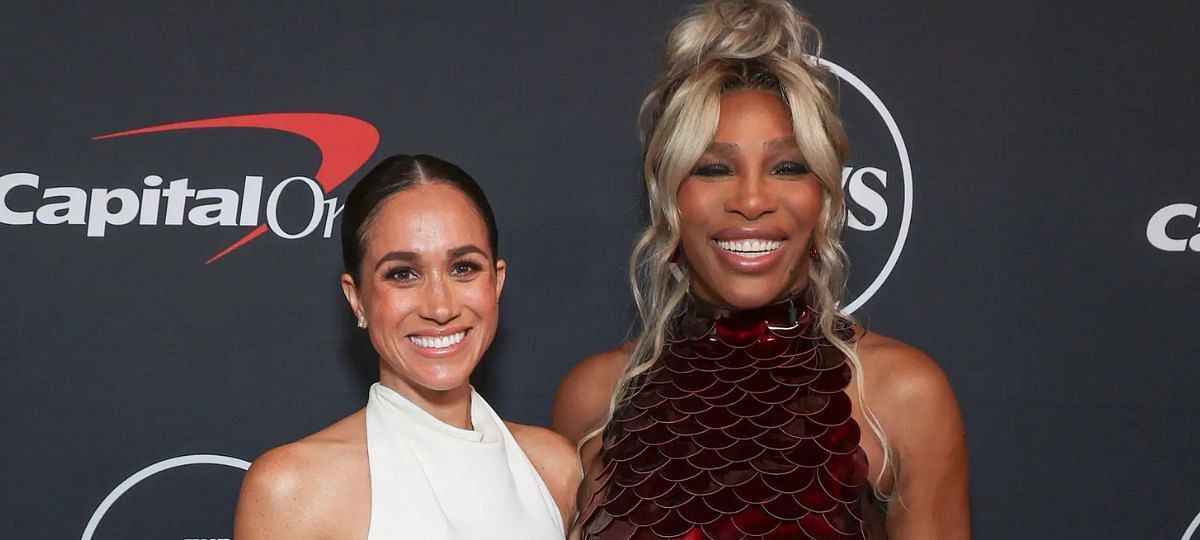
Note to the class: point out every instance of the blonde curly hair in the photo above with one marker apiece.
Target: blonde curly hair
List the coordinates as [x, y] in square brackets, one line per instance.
[724, 46]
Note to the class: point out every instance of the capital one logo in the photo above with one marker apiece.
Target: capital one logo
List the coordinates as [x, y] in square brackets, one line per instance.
[345, 143]
[1175, 227]
[878, 186]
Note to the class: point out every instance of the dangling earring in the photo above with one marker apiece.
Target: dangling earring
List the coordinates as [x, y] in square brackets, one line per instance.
[362, 322]
[814, 254]
[673, 263]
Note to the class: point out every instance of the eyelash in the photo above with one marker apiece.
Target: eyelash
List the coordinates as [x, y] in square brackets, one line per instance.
[394, 274]
[459, 269]
[712, 170]
[787, 168]
[471, 268]
[792, 169]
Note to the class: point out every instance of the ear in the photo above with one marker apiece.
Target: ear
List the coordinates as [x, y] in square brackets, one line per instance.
[501, 272]
[351, 293]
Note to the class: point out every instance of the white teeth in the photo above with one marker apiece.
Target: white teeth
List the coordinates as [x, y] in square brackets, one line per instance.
[437, 342]
[749, 248]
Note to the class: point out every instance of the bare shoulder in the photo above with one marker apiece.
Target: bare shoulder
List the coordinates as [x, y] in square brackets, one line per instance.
[908, 389]
[545, 448]
[916, 408]
[296, 490]
[897, 371]
[586, 391]
[556, 462]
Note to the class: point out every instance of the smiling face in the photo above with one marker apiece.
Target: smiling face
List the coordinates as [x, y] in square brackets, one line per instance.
[428, 288]
[748, 209]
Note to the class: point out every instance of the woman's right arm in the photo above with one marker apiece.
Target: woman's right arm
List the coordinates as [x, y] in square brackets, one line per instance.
[586, 392]
[580, 407]
[276, 498]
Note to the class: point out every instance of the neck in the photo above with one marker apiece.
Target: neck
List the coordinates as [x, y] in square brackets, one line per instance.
[704, 293]
[452, 407]
[708, 305]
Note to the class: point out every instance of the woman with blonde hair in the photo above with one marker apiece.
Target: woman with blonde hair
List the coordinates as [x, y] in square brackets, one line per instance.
[739, 409]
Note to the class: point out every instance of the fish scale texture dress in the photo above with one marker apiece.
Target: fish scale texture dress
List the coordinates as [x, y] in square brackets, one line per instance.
[741, 430]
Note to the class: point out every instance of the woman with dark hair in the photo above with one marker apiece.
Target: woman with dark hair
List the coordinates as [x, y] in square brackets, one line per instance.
[736, 411]
[427, 458]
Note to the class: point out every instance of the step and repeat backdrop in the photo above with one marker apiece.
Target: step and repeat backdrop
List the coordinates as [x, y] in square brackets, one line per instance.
[1022, 198]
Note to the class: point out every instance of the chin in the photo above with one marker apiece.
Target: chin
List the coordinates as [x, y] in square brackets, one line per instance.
[444, 383]
[453, 376]
[442, 377]
[447, 386]
[749, 293]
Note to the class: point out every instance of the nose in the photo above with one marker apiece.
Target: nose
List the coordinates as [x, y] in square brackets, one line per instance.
[438, 303]
[751, 196]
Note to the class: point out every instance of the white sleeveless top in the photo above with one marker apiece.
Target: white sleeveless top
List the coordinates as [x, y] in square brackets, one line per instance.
[433, 481]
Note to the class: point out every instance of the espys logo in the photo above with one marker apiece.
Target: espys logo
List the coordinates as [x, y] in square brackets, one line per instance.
[874, 235]
[1191, 530]
[165, 490]
[1175, 228]
[345, 143]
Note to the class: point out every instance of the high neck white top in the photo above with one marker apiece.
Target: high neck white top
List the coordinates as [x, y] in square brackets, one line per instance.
[434, 481]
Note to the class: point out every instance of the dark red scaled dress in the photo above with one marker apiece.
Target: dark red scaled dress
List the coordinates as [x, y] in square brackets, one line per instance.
[742, 429]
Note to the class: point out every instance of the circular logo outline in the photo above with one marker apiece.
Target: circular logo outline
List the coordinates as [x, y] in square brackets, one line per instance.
[906, 171]
[151, 470]
[1187, 535]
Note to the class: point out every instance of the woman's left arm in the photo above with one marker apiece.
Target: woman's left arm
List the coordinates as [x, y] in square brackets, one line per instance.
[557, 463]
[920, 415]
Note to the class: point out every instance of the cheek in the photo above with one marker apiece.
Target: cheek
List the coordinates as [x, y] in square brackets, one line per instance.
[804, 204]
[388, 303]
[479, 296]
[695, 201]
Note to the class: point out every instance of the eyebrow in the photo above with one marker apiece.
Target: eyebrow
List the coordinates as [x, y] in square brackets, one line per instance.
[724, 148]
[733, 148]
[781, 143]
[463, 250]
[405, 256]
[409, 256]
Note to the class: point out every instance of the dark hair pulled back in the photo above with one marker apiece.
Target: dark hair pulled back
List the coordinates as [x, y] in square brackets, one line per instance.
[391, 176]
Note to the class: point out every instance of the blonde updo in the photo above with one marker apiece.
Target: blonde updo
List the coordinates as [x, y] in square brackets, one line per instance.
[725, 46]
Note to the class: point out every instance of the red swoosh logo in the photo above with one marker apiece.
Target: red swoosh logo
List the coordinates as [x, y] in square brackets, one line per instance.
[345, 144]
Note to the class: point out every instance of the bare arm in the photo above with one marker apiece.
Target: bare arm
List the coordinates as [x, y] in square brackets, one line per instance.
[582, 406]
[318, 487]
[586, 392]
[918, 411]
[273, 501]
[556, 462]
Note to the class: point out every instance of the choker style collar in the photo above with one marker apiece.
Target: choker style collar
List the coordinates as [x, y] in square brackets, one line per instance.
[788, 317]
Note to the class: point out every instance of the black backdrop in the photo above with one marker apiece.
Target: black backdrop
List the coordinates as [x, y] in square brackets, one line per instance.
[1042, 138]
